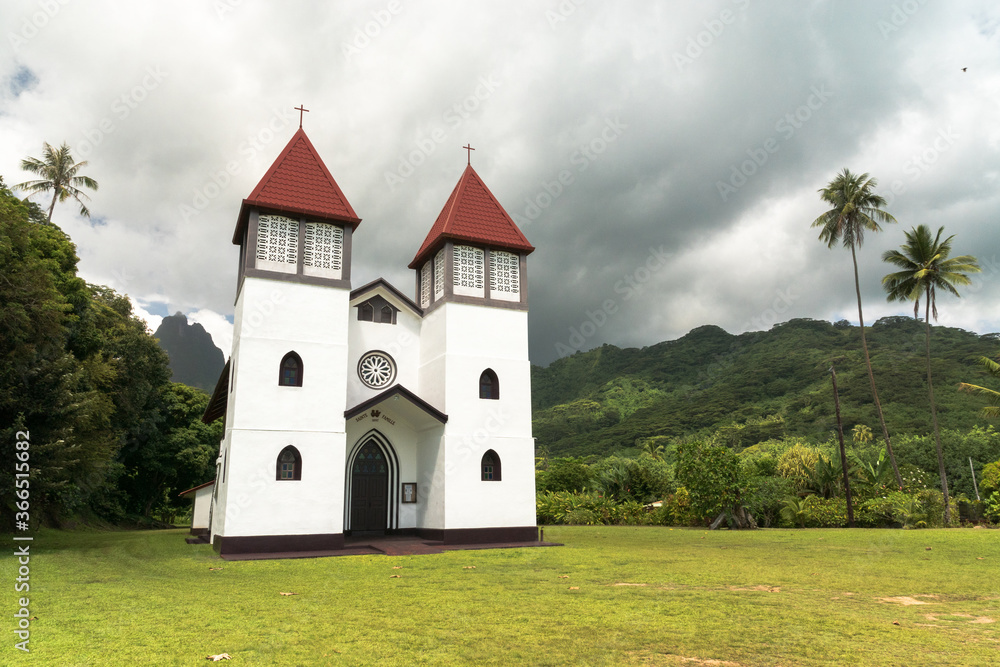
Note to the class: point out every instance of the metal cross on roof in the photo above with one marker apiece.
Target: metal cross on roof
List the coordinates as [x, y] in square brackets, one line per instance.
[300, 109]
[469, 148]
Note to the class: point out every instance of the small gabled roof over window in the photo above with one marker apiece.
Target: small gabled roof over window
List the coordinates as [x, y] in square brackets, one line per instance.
[388, 293]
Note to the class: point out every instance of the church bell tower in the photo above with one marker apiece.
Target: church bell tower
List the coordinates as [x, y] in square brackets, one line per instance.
[288, 366]
[471, 282]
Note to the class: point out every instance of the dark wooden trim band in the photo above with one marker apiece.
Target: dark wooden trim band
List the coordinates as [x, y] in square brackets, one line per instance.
[277, 543]
[297, 278]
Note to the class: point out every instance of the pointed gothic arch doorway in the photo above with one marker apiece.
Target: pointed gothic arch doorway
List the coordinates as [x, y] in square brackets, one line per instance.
[372, 486]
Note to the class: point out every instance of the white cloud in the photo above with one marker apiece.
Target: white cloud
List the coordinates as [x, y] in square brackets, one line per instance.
[195, 122]
[217, 325]
[152, 321]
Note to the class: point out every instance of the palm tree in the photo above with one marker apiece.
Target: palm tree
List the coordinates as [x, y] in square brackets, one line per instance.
[993, 368]
[856, 209]
[58, 170]
[654, 450]
[925, 268]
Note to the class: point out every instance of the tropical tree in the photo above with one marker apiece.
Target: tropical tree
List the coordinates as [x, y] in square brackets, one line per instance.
[653, 449]
[861, 434]
[59, 173]
[855, 209]
[992, 395]
[925, 267]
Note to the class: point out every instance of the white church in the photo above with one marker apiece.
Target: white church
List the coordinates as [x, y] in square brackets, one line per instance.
[357, 412]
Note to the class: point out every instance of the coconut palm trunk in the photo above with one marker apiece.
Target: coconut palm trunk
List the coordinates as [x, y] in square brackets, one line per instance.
[934, 419]
[871, 376]
[926, 266]
[857, 209]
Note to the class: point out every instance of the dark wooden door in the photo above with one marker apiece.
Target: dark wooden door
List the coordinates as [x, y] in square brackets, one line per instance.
[369, 490]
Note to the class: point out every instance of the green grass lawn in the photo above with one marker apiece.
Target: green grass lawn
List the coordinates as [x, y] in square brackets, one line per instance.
[610, 596]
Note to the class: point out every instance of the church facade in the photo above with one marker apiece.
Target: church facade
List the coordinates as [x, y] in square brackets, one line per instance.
[362, 411]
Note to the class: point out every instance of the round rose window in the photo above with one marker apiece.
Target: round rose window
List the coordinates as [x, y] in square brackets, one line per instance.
[377, 369]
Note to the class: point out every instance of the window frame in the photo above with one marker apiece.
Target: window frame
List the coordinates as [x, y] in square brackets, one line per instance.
[294, 357]
[296, 462]
[494, 389]
[495, 473]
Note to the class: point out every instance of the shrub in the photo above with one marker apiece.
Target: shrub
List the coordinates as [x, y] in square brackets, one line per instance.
[824, 512]
[564, 507]
[643, 480]
[581, 517]
[795, 461]
[713, 477]
[896, 509]
[991, 508]
[564, 474]
[678, 508]
[764, 497]
[662, 515]
[990, 481]
[793, 511]
[916, 479]
[882, 511]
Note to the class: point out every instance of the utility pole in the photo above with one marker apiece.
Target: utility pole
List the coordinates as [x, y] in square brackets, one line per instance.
[843, 453]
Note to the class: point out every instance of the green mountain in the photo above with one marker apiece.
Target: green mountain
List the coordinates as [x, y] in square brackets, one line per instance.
[194, 358]
[773, 383]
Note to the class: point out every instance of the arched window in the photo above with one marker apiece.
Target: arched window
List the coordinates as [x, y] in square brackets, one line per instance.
[289, 466]
[386, 314]
[366, 313]
[490, 466]
[489, 385]
[290, 374]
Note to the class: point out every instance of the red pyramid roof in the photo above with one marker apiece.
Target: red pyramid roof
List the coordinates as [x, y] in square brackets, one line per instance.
[472, 214]
[299, 182]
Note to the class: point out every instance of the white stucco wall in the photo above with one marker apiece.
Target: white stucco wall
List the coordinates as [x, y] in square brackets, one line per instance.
[285, 317]
[460, 342]
[273, 318]
[202, 507]
[401, 341]
[259, 504]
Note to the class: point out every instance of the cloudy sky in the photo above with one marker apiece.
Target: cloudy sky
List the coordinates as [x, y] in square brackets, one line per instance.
[663, 157]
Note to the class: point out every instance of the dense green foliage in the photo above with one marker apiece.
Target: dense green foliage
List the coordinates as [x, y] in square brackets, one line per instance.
[782, 482]
[767, 383]
[110, 437]
[713, 476]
